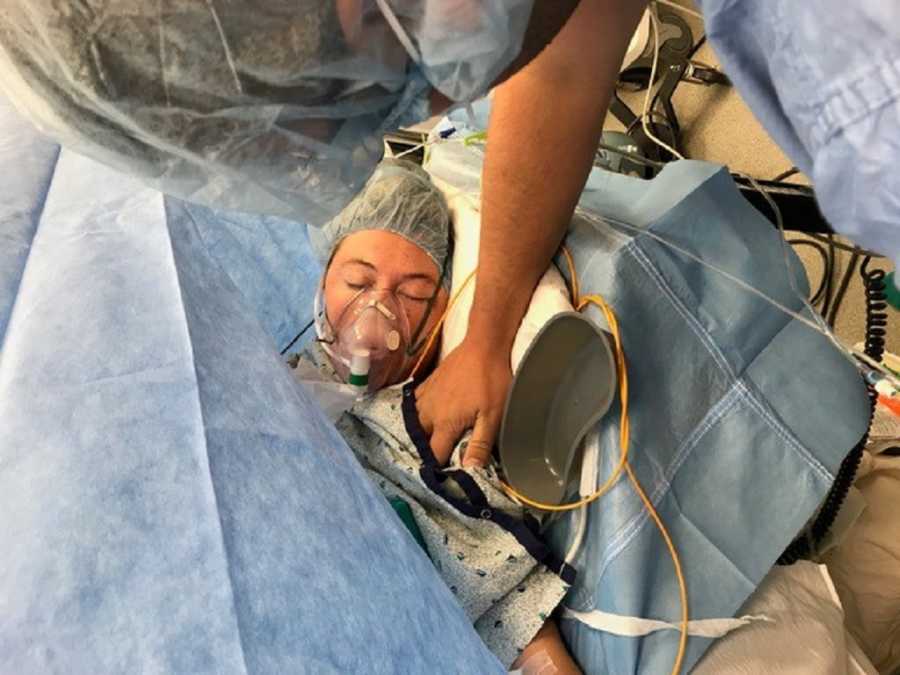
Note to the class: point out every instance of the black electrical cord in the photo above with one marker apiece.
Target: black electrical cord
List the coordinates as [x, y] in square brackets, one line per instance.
[694, 49]
[829, 281]
[786, 174]
[663, 128]
[876, 329]
[297, 337]
[826, 265]
[829, 239]
[638, 159]
[842, 289]
[665, 123]
[876, 309]
[699, 43]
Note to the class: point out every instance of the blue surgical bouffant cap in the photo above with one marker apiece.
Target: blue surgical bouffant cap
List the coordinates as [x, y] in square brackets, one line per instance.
[399, 198]
[266, 106]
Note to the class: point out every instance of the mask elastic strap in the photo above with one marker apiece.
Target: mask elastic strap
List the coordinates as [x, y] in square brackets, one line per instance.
[324, 330]
[398, 29]
[323, 325]
[415, 343]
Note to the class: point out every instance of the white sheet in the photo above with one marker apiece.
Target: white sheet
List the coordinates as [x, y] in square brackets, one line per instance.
[806, 634]
[866, 566]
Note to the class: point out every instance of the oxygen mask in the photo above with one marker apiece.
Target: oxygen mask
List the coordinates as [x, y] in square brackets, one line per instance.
[369, 343]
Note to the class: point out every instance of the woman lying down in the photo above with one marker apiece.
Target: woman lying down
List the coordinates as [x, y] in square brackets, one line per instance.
[384, 291]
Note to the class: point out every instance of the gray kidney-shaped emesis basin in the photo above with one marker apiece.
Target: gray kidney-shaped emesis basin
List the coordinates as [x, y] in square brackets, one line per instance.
[565, 383]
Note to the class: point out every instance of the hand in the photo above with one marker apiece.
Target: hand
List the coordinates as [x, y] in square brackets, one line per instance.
[467, 391]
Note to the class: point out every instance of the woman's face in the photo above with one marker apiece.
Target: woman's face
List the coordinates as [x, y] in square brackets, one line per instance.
[384, 261]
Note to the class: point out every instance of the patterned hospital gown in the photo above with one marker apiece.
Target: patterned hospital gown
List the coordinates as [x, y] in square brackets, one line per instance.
[505, 591]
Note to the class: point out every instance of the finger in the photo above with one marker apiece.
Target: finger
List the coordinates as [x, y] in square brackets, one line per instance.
[478, 452]
[443, 440]
[426, 421]
[424, 385]
[423, 409]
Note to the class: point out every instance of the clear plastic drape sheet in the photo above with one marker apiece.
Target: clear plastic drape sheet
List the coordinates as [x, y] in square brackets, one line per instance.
[261, 106]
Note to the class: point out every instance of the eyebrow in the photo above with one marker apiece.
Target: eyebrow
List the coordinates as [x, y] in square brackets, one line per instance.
[406, 277]
[419, 275]
[360, 261]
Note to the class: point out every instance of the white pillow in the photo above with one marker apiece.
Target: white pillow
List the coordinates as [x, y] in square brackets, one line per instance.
[551, 297]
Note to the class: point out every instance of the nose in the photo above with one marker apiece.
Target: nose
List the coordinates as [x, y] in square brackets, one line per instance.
[375, 331]
[383, 309]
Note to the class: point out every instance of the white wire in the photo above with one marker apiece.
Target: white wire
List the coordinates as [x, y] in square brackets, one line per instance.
[398, 29]
[852, 353]
[824, 328]
[686, 10]
[437, 139]
[411, 150]
[427, 143]
[665, 242]
[225, 46]
[575, 546]
[590, 459]
[779, 221]
[654, 24]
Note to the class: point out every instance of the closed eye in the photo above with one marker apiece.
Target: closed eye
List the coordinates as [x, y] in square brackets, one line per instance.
[417, 288]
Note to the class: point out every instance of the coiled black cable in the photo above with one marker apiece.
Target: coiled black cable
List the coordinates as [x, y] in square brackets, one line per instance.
[876, 329]
[876, 310]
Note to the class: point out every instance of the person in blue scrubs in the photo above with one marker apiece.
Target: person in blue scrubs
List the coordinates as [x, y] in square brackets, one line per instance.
[280, 108]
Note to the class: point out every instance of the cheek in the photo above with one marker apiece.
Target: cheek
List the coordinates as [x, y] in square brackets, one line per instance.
[437, 312]
[415, 314]
[336, 296]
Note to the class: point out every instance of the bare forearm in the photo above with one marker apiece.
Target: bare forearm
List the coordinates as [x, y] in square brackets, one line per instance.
[543, 133]
[547, 649]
